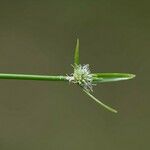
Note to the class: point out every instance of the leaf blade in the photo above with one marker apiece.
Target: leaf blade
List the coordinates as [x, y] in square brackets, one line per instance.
[111, 77]
[76, 54]
[99, 102]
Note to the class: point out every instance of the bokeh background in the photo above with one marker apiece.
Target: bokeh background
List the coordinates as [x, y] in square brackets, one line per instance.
[38, 37]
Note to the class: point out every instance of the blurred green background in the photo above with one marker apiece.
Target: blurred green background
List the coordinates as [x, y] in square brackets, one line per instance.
[38, 37]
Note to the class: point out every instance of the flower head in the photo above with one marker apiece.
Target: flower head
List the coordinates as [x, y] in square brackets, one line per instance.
[82, 76]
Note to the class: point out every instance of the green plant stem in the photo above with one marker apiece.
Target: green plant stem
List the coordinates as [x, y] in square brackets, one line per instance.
[33, 77]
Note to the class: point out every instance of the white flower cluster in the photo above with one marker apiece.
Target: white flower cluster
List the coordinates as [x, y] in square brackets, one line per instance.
[82, 76]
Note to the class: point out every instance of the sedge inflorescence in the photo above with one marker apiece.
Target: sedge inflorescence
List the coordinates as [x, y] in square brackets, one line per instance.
[82, 76]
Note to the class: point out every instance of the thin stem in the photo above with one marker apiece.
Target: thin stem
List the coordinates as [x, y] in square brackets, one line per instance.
[102, 104]
[32, 77]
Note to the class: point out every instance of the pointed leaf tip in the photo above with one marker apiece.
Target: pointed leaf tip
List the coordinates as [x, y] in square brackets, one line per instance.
[76, 55]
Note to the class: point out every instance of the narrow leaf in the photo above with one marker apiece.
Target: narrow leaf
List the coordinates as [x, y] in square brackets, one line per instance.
[102, 104]
[76, 55]
[111, 77]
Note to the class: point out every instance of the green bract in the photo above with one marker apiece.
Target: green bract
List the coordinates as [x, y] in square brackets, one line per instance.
[111, 77]
[81, 76]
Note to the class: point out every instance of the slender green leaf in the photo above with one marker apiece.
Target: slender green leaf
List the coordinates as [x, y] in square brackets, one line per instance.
[111, 77]
[102, 104]
[76, 55]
